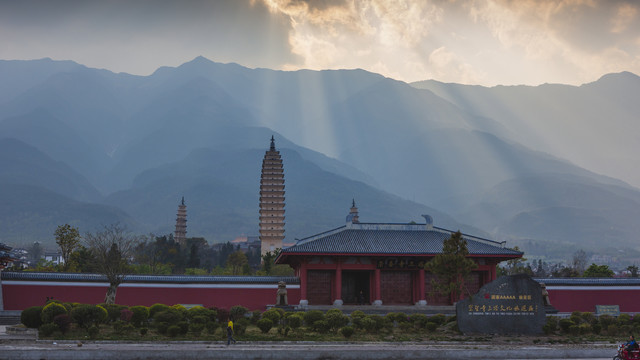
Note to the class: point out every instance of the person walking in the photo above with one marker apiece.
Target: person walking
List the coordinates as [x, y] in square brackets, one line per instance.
[230, 332]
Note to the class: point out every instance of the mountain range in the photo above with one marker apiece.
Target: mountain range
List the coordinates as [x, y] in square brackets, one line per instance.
[527, 165]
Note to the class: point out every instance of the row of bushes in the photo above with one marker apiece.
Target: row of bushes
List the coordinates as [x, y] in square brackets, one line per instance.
[177, 320]
[584, 323]
[60, 316]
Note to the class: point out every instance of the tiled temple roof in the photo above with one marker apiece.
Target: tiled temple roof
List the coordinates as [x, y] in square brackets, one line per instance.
[392, 239]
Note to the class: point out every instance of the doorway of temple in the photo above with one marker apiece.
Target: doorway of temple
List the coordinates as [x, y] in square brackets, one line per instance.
[355, 287]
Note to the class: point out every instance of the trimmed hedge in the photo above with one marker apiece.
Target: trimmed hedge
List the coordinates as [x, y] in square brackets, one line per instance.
[31, 317]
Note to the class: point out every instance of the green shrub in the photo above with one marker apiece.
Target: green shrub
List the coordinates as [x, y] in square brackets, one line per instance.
[31, 317]
[179, 307]
[122, 327]
[311, 316]
[86, 315]
[196, 328]
[184, 327]
[140, 315]
[576, 317]
[240, 326]
[264, 325]
[624, 330]
[173, 330]
[406, 326]
[438, 319]
[396, 317]
[589, 318]
[596, 328]
[144, 331]
[255, 316]
[369, 325]
[272, 315]
[157, 308]
[347, 331]
[48, 329]
[380, 321]
[419, 320]
[93, 332]
[357, 314]
[295, 321]
[212, 326]
[50, 311]
[335, 319]
[624, 319]
[162, 327]
[552, 323]
[200, 320]
[321, 326]
[170, 316]
[63, 321]
[237, 312]
[565, 324]
[114, 311]
[585, 328]
[574, 330]
[284, 330]
[450, 319]
[606, 320]
[431, 326]
[198, 311]
[612, 330]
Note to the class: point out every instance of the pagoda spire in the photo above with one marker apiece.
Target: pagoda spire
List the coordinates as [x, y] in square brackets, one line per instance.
[180, 235]
[271, 201]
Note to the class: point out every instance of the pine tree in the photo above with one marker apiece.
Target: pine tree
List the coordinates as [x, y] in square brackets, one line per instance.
[451, 267]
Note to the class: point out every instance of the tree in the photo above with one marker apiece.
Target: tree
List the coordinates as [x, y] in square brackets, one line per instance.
[112, 248]
[516, 266]
[82, 260]
[36, 251]
[580, 261]
[268, 260]
[236, 261]
[451, 267]
[598, 271]
[67, 238]
[633, 270]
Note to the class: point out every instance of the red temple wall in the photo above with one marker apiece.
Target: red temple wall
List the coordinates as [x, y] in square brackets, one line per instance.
[19, 295]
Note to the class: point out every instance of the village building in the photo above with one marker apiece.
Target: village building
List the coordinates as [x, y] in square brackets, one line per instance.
[382, 264]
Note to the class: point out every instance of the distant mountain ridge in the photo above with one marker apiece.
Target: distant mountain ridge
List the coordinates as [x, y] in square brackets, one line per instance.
[481, 155]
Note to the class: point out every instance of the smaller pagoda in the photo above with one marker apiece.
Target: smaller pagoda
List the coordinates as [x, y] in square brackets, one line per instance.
[180, 235]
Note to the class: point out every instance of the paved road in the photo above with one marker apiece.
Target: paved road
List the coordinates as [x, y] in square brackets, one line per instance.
[297, 351]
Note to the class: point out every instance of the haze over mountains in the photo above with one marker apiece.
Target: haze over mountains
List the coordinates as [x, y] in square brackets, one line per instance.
[89, 147]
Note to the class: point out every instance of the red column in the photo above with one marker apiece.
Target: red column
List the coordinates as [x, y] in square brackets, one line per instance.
[422, 299]
[338, 290]
[303, 284]
[376, 287]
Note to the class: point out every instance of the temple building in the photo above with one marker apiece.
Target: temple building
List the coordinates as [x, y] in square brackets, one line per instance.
[180, 235]
[378, 263]
[271, 201]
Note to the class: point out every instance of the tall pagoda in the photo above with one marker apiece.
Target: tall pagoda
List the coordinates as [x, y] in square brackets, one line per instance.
[271, 201]
[181, 224]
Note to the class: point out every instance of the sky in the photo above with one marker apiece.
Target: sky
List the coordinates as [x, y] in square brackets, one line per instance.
[483, 42]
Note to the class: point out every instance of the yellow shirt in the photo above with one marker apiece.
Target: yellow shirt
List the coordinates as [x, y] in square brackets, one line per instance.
[230, 324]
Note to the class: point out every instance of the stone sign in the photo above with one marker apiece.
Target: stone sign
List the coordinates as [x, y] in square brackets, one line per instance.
[509, 305]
